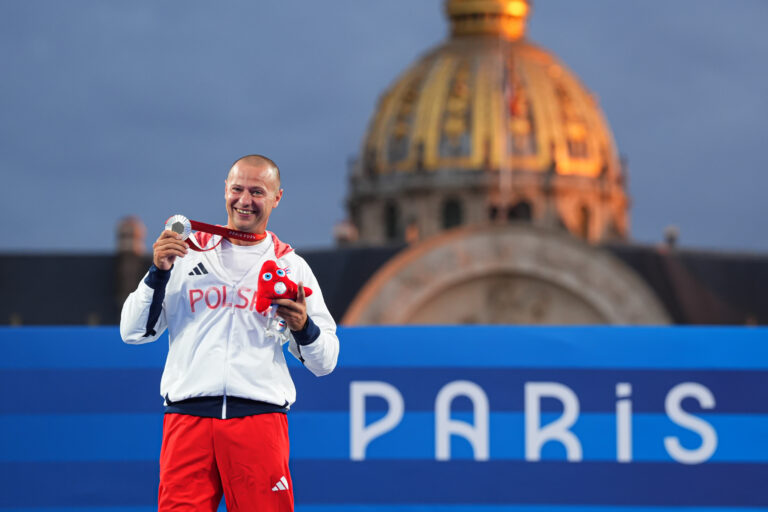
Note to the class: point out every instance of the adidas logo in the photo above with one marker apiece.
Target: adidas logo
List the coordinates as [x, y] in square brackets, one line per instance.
[281, 485]
[198, 270]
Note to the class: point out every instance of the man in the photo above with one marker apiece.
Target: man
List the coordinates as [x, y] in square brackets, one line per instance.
[226, 384]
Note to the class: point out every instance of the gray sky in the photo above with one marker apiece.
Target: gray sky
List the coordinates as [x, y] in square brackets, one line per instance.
[111, 108]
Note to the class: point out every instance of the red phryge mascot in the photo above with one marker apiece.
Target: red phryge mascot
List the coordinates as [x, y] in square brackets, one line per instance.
[274, 283]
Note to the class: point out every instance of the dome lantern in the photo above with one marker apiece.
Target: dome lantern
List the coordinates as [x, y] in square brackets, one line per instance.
[504, 18]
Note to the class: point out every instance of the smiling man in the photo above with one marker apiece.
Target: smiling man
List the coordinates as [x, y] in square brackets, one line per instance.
[252, 192]
[226, 384]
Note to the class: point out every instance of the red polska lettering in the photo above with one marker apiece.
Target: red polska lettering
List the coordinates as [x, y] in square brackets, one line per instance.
[215, 297]
[212, 305]
[240, 295]
[224, 302]
[194, 296]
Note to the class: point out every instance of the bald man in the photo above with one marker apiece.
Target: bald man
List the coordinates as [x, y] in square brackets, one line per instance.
[226, 384]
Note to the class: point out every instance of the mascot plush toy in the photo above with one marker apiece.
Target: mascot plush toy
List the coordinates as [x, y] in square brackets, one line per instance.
[274, 283]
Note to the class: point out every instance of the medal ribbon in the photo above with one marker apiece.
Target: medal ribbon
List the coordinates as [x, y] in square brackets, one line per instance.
[224, 232]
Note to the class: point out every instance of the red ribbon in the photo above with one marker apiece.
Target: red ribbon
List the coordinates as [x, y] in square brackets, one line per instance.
[224, 232]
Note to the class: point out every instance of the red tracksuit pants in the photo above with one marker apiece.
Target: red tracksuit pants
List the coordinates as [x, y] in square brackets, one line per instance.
[245, 459]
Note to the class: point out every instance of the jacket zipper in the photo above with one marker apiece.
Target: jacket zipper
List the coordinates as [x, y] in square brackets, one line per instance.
[226, 362]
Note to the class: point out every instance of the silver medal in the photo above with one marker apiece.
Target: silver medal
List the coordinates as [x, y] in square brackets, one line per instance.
[179, 224]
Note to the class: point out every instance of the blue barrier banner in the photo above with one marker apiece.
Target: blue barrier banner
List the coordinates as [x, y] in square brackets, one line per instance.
[416, 419]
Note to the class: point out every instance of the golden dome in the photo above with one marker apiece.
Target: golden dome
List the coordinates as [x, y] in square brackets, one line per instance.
[489, 102]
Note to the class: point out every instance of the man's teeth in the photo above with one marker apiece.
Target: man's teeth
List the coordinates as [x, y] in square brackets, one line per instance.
[244, 212]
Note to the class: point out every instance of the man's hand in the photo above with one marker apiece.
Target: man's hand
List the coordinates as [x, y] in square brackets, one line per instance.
[167, 247]
[294, 312]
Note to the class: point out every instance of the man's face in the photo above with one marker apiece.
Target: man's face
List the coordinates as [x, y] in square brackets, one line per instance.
[251, 193]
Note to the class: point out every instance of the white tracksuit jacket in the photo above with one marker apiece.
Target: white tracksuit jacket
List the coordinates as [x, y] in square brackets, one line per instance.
[217, 342]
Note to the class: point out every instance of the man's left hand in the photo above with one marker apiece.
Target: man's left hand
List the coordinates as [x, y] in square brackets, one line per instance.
[294, 312]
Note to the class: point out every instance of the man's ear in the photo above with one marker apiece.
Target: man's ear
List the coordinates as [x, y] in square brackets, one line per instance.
[278, 197]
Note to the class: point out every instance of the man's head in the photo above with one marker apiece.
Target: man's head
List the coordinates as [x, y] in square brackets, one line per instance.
[252, 190]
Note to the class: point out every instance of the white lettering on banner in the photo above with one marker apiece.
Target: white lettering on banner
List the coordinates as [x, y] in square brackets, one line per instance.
[360, 434]
[476, 434]
[624, 422]
[536, 435]
[672, 404]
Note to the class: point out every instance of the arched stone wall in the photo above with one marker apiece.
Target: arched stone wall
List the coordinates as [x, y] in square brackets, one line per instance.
[512, 274]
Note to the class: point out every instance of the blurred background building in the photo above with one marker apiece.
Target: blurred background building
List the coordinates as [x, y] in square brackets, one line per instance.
[488, 189]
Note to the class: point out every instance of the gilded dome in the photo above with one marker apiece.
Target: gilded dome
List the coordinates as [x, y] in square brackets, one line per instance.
[490, 102]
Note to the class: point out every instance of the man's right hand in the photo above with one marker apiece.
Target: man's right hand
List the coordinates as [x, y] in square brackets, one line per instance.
[166, 248]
